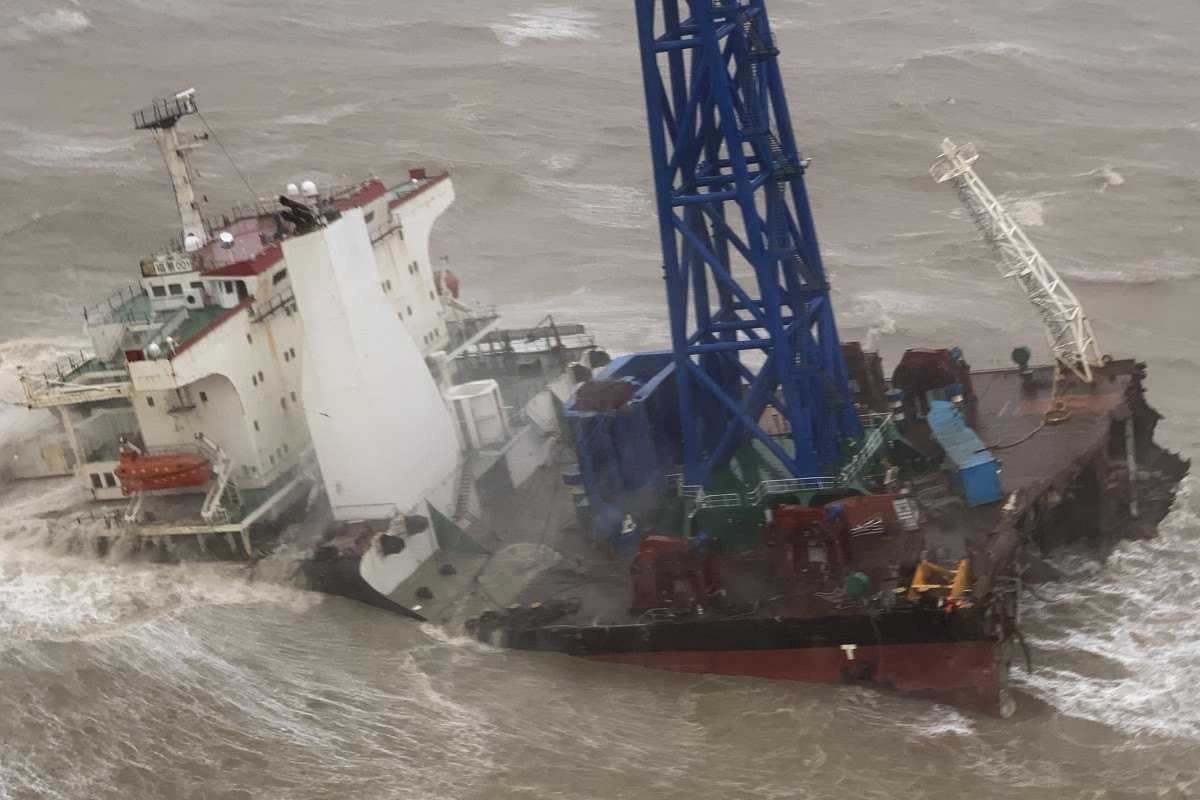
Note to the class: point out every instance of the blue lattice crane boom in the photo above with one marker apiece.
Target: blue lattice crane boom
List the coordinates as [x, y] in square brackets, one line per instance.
[740, 258]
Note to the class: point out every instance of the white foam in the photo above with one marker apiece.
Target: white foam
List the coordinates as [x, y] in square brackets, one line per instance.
[561, 162]
[34, 355]
[44, 149]
[1027, 211]
[879, 710]
[49, 24]
[1107, 174]
[968, 49]
[1111, 176]
[48, 596]
[1165, 267]
[602, 204]
[321, 116]
[546, 24]
[1134, 614]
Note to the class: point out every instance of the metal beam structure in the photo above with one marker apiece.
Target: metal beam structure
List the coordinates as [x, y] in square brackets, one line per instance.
[740, 258]
[1068, 331]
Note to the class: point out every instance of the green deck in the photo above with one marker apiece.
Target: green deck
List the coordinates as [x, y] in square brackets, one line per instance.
[136, 309]
[197, 320]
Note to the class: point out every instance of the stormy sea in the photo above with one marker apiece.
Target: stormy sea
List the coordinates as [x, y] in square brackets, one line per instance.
[123, 679]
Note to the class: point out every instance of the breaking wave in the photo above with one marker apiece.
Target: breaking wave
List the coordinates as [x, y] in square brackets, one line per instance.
[1117, 641]
[48, 24]
[602, 204]
[970, 49]
[322, 116]
[561, 162]
[34, 355]
[547, 24]
[1111, 176]
[966, 53]
[56, 150]
[1168, 267]
[46, 596]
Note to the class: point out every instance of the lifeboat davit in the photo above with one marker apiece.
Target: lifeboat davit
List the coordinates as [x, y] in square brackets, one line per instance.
[138, 472]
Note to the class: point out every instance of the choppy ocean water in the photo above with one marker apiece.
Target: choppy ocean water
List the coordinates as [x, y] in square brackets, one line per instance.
[121, 679]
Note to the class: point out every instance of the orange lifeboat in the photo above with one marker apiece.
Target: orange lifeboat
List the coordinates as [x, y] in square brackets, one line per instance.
[138, 472]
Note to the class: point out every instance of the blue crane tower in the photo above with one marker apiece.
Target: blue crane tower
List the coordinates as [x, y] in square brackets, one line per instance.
[740, 258]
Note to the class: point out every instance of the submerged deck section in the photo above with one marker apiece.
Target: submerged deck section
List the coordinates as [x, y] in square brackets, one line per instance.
[1053, 468]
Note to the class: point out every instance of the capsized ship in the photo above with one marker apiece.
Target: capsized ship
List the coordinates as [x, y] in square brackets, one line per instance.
[298, 358]
[801, 514]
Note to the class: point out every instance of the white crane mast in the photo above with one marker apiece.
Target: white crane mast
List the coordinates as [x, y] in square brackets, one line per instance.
[1068, 331]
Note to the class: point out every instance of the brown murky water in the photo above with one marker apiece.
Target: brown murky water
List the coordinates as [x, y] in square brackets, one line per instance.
[125, 680]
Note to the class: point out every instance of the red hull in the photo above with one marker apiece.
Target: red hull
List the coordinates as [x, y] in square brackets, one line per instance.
[965, 674]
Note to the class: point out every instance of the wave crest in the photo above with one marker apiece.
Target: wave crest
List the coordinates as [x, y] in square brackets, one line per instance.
[546, 25]
[49, 24]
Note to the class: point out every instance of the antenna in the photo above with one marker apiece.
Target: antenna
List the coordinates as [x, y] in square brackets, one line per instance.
[1068, 331]
[161, 118]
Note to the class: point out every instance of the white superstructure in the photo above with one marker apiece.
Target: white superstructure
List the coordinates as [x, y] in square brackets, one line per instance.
[294, 339]
[377, 420]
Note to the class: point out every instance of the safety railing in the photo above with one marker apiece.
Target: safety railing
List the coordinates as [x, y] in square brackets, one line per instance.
[871, 446]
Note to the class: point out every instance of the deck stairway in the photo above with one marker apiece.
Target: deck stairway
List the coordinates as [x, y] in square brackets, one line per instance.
[933, 493]
[223, 502]
[462, 516]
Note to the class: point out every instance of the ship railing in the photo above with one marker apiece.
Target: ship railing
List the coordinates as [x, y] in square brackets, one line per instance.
[281, 300]
[108, 309]
[262, 207]
[164, 112]
[792, 486]
[67, 369]
[388, 231]
[673, 482]
[170, 449]
[720, 500]
[779, 425]
[874, 419]
[871, 446]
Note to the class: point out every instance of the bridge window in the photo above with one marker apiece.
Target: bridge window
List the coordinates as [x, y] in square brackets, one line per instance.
[158, 291]
[96, 482]
[150, 402]
[175, 289]
[278, 276]
[110, 480]
[204, 397]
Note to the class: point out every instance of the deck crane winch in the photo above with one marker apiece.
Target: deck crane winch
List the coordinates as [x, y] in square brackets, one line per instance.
[1068, 331]
[740, 259]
